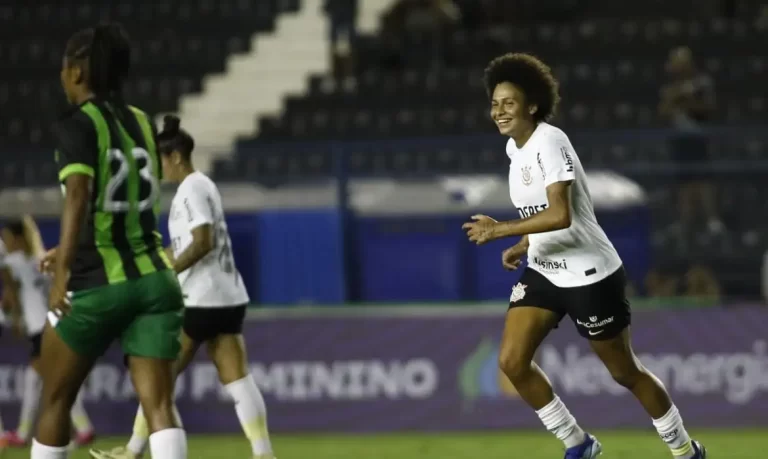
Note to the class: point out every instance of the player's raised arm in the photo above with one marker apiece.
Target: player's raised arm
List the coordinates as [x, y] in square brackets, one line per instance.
[10, 286]
[32, 236]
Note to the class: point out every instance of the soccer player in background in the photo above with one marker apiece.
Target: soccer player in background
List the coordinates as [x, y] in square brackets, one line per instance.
[573, 269]
[23, 250]
[112, 279]
[214, 293]
[5, 303]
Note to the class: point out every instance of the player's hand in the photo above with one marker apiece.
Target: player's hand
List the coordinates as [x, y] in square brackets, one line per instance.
[58, 300]
[481, 229]
[48, 261]
[511, 258]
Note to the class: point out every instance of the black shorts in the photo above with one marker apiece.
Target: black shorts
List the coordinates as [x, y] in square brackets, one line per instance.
[204, 324]
[600, 311]
[36, 340]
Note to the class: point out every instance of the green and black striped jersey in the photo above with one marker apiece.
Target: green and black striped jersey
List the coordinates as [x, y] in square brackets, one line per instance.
[116, 146]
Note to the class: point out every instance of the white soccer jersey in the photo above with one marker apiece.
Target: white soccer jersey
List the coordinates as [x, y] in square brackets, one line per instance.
[213, 281]
[571, 257]
[33, 289]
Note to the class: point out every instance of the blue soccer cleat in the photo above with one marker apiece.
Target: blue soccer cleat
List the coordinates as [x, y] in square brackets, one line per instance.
[590, 449]
[699, 449]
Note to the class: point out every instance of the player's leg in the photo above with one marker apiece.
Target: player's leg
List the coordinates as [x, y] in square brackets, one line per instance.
[153, 380]
[152, 343]
[63, 370]
[137, 445]
[626, 369]
[534, 311]
[602, 315]
[3, 441]
[84, 431]
[30, 401]
[227, 350]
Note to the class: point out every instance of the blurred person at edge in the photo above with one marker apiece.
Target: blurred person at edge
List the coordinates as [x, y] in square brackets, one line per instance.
[688, 103]
[426, 17]
[343, 16]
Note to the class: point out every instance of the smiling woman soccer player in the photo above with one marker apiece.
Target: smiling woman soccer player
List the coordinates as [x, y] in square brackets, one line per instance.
[573, 268]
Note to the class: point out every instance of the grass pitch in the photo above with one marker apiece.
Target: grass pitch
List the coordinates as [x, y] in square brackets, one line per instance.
[722, 444]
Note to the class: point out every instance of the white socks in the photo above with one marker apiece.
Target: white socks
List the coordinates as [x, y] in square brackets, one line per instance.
[30, 402]
[40, 451]
[558, 420]
[140, 436]
[252, 413]
[168, 444]
[673, 433]
[250, 409]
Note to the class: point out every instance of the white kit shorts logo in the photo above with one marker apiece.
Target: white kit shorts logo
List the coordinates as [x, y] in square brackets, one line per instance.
[593, 324]
[518, 292]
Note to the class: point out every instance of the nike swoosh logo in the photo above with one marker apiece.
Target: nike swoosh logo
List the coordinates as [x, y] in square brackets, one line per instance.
[593, 333]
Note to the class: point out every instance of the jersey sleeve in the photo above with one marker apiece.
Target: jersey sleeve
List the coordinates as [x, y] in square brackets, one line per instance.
[197, 208]
[77, 148]
[555, 160]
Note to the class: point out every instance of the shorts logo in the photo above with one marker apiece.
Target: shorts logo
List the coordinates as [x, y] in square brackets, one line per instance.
[518, 292]
[527, 177]
[594, 323]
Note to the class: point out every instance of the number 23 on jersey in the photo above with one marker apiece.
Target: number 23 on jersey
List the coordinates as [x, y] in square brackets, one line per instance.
[129, 171]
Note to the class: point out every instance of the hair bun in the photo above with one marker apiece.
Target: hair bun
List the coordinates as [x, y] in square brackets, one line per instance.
[171, 124]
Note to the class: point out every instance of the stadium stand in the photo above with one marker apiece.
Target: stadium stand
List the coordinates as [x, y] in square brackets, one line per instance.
[413, 104]
[177, 43]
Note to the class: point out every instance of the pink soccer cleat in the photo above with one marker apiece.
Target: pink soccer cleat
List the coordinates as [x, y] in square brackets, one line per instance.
[12, 440]
[84, 438]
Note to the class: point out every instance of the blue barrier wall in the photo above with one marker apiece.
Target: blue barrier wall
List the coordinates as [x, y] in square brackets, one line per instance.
[296, 256]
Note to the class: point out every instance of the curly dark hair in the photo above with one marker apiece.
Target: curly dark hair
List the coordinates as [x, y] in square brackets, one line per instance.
[531, 75]
[107, 49]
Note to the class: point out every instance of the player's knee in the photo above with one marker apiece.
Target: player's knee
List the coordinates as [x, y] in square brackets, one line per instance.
[57, 404]
[514, 363]
[58, 395]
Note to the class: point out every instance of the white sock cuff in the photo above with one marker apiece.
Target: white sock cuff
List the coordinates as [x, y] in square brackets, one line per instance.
[169, 443]
[670, 416]
[238, 385]
[172, 432]
[551, 407]
[42, 451]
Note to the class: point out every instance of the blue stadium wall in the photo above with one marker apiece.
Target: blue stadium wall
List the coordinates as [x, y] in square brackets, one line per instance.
[291, 257]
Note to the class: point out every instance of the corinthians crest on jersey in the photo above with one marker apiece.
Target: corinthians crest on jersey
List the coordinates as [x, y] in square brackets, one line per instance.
[526, 174]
